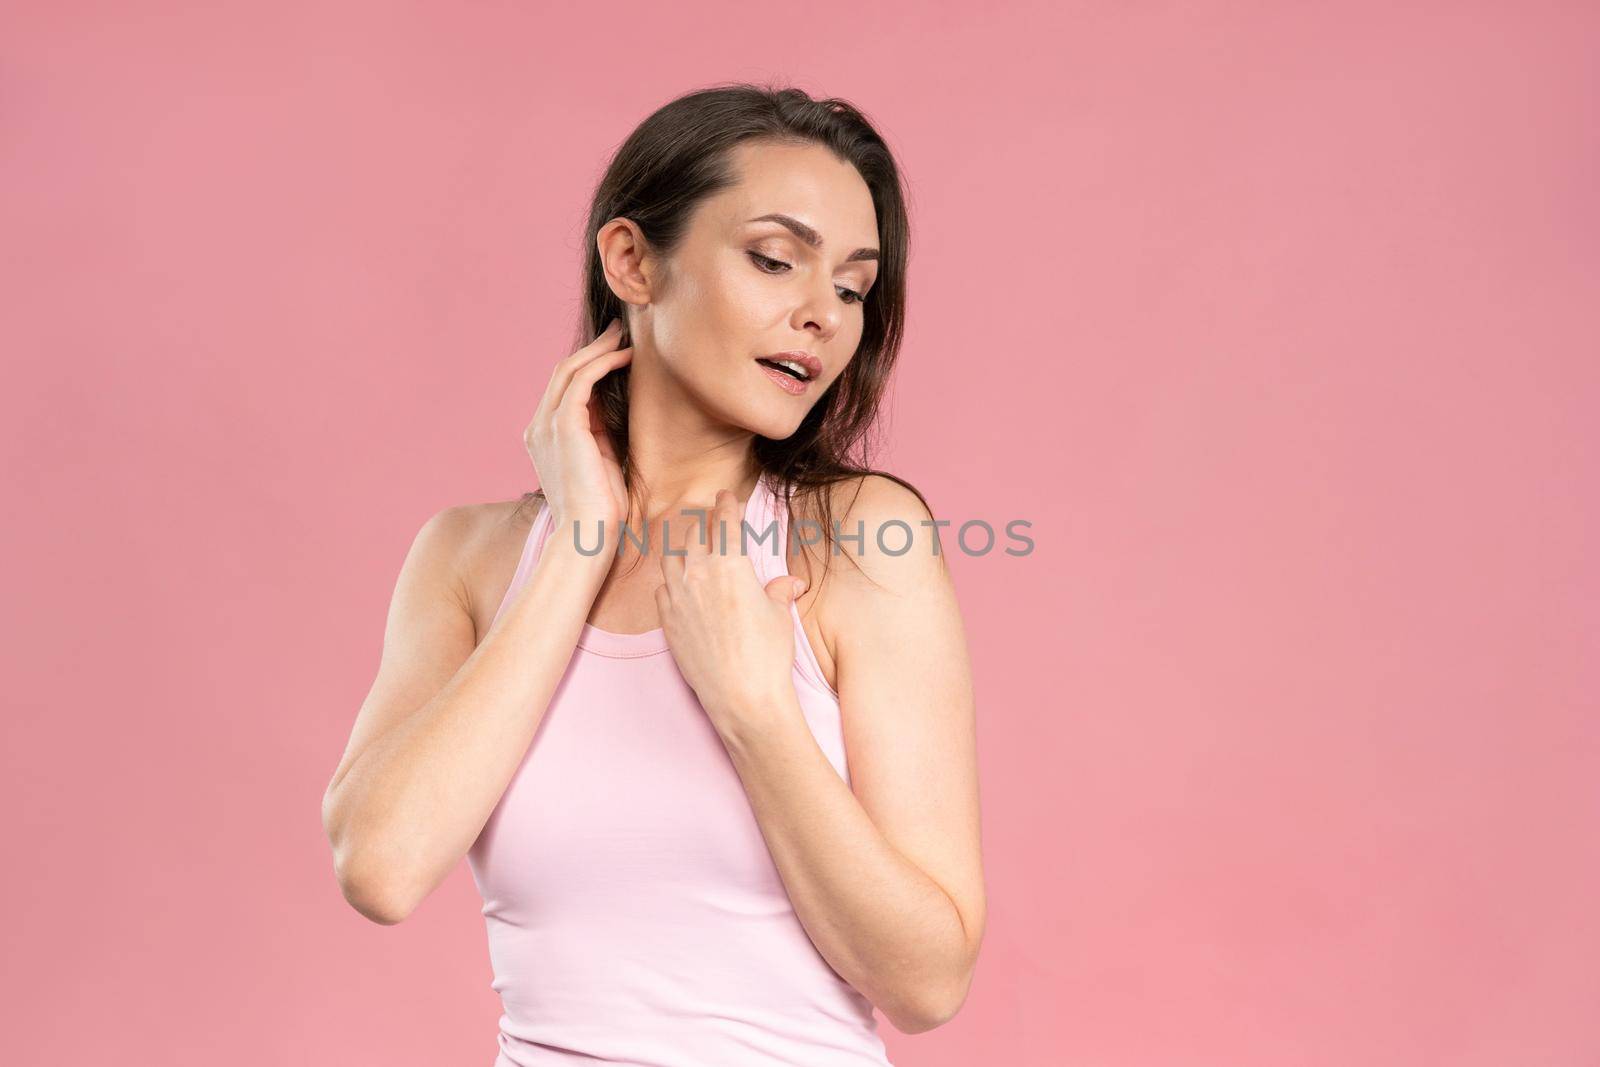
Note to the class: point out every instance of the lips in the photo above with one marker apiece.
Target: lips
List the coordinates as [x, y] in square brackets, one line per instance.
[810, 366]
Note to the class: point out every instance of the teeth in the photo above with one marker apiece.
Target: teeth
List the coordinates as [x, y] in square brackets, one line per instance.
[797, 368]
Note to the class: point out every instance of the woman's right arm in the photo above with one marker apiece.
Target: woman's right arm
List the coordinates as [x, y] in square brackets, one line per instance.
[446, 725]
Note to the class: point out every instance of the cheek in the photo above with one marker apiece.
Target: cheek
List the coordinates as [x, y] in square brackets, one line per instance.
[745, 300]
[710, 319]
[717, 302]
[848, 340]
[680, 319]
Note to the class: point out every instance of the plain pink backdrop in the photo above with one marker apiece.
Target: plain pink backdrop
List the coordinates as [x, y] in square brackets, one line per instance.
[1277, 321]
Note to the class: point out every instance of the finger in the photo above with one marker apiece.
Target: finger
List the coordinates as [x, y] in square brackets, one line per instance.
[580, 383]
[574, 404]
[725, 525]
[695, 523]
[671, 567]
[561, 376]
[785, 589]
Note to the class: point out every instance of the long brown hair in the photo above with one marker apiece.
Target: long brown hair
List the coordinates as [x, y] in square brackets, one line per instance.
[680, 155]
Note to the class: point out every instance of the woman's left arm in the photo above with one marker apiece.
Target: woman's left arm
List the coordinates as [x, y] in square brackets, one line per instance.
[885, 873]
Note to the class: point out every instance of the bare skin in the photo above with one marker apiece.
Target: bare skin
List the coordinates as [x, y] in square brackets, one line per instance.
[884, 872]
[492, 536]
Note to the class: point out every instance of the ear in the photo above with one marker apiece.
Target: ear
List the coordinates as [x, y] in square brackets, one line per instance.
[626, 260]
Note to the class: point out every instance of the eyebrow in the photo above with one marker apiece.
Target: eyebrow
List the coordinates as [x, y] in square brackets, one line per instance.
[812, 237]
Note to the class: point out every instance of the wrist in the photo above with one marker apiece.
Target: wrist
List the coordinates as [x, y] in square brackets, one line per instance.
[751, 721]
[584, 538]
[577, 553]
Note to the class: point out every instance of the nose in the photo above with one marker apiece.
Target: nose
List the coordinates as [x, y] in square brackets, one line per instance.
[821, 312]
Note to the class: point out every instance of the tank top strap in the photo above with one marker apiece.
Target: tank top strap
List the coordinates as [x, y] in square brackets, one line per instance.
[538, 534]
[770, 524]
[766, 541]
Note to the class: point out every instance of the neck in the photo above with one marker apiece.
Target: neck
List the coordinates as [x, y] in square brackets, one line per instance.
[680, 453]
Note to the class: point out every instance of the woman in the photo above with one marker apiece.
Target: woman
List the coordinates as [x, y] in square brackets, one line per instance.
[717, 810]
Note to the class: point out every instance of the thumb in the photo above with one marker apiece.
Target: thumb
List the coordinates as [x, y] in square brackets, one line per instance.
[786, 589]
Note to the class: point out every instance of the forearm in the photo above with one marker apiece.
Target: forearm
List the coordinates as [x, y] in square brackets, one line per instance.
[879, 920]
[411, 806]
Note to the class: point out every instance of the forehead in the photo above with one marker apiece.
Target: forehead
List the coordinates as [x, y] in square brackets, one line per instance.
[806, 181]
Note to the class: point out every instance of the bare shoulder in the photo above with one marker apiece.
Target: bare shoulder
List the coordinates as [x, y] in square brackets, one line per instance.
[481, 544]
[884, 551]
[883, 532]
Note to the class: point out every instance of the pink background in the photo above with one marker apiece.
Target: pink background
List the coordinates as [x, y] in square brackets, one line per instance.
[1277, 321]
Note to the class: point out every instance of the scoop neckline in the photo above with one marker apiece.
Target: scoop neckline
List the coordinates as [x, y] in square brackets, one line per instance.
[651, 642]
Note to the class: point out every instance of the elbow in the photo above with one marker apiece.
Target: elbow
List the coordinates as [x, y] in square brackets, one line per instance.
[913, 1024]
[935, 1003]
[925, 1015]
[371, 888]
[375, 898]
[932, 1007]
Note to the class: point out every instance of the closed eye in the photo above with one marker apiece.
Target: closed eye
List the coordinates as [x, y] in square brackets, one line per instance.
[850, 296]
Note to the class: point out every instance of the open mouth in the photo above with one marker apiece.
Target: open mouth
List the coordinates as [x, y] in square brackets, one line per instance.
[789, 367]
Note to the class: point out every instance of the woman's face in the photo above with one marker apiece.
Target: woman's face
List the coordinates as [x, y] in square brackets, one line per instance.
[741, 288]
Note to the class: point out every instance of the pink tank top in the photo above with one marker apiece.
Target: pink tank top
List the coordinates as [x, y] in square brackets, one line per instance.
[634, 913]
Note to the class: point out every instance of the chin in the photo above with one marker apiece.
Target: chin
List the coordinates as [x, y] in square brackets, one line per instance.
[754, 404]
[768, 420]
[773, 427]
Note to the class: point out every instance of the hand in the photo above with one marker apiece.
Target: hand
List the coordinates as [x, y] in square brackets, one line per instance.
[732, 638]
[577, 467]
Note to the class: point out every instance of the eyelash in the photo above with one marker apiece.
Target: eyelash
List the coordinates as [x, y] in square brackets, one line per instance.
[759, 258]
